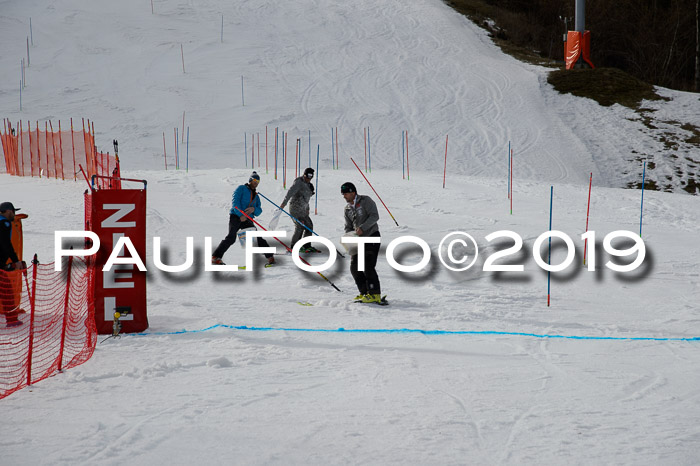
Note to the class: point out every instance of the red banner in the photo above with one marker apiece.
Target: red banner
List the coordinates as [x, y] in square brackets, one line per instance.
[113, 214]
[578, 45]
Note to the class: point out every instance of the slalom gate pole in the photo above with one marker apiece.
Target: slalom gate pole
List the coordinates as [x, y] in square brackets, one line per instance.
[266, 171]
[369, 150]
[408, 168]
[165, 157]
[365, 133]
[284, 151]
[588, 211]
[375, 191]
[641, 210]
[276, 139]
[32, 300]
[72, 141]
[508, 169]
[549, 259]
[177, 151]
[318, 152]
[293, 218]
[511, 181]
[337, 154]
[187, 154]
[444, 172]
[403, 158]
[287, 247]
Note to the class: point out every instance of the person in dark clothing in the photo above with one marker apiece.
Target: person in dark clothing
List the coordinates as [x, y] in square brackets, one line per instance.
[10, 265]
[361, 217]
[298, 197]
[245, 199]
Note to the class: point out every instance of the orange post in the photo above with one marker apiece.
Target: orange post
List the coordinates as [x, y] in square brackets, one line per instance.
[72, 142]
[60, 146]
[21, 145]
[38, 147]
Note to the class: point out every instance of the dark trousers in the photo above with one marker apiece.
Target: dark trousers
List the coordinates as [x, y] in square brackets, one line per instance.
[235, 224]
[299, 231]
[367, 281]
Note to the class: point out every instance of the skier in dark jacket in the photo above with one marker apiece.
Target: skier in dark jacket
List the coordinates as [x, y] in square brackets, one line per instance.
[361, 217]
[298, 197]
[9, 265]
[245, 199]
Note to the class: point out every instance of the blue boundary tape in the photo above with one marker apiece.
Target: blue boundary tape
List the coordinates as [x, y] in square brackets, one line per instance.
[424, 332]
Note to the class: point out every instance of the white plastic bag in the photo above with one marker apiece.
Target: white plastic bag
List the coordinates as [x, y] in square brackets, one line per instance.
[275, 220]
[351, 248]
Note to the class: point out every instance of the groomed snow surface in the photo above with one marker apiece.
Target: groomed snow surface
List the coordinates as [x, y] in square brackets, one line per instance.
[502, 384]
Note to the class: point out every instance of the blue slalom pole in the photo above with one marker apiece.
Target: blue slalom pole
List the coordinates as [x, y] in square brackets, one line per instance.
[403, 158]
[508, 169]
[318, 152]
[245, 151]
[369, 150]
[187, 159]
[333, 148]
[549, 259]
[644, 172]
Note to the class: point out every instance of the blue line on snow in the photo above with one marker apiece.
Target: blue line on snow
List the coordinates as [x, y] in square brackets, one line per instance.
[409, 330]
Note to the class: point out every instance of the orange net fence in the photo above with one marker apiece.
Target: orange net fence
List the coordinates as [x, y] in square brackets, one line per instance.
[31, 151]
[47, 322]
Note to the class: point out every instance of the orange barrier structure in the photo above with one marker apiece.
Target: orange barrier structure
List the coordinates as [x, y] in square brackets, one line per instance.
[578, 45]
[58, 322]
[54, 154]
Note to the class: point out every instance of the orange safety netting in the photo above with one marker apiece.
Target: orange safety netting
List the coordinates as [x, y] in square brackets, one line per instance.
[47, 322]
[31, 151]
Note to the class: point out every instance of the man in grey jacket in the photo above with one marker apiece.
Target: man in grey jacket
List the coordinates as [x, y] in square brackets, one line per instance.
[361, 217]
[298, 197]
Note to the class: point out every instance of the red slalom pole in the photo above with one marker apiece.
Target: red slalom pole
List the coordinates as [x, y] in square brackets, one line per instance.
[286, 247]
[444, 173]
[511, 181]
[375, 191]
[588, 211]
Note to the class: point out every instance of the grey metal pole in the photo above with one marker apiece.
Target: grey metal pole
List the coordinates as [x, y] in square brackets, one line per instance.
[580, 15]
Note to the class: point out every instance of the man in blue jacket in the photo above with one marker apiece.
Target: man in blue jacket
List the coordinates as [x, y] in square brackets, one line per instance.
[245, 199]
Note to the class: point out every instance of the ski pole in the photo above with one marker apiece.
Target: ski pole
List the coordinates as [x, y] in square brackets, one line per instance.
[287, 247]
[375, 191]
[294, 218]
